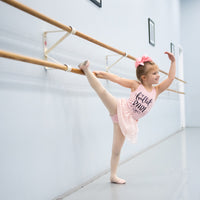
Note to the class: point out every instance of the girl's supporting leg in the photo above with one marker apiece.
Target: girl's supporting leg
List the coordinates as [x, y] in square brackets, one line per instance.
[118, 141]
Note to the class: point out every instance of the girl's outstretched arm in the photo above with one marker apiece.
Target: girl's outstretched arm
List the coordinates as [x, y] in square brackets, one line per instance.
[172, 71]
[133, 84]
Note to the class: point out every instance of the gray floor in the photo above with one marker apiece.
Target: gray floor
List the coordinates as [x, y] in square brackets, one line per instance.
[168, 171]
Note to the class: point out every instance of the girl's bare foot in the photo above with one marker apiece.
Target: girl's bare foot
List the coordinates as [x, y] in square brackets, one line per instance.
[117, 180]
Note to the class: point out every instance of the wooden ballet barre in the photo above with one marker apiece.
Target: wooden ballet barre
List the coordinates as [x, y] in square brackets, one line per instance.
[70, 30]
[171, 90]
[178, 79]
[14, 56]
[32, 60]
[62, 26]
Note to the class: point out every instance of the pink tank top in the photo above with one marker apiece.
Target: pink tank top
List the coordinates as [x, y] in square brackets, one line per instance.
[141, 101]
[130, 110]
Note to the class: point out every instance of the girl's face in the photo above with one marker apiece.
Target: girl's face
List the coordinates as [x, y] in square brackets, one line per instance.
[153, 76]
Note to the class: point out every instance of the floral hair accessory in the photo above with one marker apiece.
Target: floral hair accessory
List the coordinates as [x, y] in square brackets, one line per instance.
[140, 61]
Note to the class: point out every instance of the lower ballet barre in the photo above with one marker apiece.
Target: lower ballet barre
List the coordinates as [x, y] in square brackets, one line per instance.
[64, 67]
[27, 59]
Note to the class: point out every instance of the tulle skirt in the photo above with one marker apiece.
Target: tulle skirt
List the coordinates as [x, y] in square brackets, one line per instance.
[128, 125]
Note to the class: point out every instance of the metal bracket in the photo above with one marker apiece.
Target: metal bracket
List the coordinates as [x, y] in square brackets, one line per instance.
[109, 66]
[47, 50]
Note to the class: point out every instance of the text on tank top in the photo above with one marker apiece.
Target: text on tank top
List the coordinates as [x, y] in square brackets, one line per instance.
[141, 101]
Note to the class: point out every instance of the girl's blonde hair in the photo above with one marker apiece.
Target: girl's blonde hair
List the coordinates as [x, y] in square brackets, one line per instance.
[142, 69]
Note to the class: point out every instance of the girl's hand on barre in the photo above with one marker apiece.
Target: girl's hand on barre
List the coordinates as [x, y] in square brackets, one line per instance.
[100, 74]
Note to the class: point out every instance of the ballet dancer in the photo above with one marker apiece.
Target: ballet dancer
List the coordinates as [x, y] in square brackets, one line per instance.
[126, 112]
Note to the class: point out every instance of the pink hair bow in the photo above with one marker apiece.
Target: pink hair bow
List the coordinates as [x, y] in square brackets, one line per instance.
[140, 61]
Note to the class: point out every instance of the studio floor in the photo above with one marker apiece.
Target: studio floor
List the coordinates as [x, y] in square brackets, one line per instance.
[167, 171]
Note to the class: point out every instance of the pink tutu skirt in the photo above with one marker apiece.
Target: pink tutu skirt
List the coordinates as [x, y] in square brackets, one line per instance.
[128, 125]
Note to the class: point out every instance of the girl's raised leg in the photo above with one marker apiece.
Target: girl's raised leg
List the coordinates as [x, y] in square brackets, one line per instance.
[109, 100]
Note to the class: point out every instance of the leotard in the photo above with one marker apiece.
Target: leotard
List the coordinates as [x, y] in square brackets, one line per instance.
[130, 110]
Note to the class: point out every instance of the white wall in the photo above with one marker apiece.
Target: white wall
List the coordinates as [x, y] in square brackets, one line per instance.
[190, 31]
[55, 134]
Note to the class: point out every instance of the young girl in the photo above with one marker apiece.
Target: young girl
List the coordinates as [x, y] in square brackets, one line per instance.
[126, 112]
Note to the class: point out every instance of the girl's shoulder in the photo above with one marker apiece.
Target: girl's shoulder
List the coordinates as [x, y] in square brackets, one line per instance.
[135, 85]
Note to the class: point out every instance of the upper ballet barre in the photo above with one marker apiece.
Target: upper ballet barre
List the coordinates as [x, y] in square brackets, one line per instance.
[71, 30]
